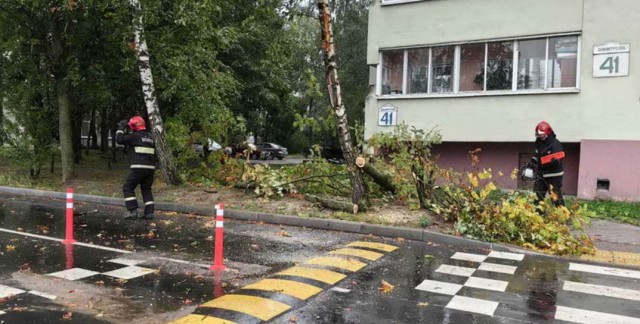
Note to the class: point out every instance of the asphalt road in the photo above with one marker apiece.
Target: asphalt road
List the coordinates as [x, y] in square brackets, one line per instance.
[156, 272]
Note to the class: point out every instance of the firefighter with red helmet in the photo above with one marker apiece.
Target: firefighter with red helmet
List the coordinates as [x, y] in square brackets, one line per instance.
[548, 163]
[142, 168]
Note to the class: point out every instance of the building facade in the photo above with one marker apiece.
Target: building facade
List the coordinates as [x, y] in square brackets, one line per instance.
[485, 72]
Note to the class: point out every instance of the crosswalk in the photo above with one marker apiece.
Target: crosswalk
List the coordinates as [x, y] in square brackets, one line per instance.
[483, 262]
[617, 301]
[478, 283]
[130, 270]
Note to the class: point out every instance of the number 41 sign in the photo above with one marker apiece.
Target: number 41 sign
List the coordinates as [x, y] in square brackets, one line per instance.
[387, 115]
[611, 60]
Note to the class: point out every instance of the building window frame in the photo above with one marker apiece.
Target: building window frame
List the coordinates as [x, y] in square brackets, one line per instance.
[395, 2]
[484, 92]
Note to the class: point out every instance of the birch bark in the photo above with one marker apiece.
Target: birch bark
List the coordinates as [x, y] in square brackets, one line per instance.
[167, 164]
[335, 96]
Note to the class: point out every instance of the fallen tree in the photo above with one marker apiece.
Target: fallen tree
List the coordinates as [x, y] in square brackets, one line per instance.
[333, 204]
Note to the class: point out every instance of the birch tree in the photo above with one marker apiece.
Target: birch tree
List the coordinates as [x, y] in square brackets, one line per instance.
[167, 162]
[335, 98]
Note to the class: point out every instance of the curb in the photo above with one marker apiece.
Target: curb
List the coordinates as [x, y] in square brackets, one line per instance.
[317, 223]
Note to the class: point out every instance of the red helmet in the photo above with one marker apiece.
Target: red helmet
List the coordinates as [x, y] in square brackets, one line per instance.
[543, 129]
[136, 123]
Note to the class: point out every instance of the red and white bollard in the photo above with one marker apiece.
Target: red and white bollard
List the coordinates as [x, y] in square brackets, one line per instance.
[218, 262]
[69, 218]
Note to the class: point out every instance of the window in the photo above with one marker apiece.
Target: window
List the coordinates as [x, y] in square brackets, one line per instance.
[531, 63]
[512, 66]
[442, 69]
[563, 62]
[499, 66]
[418, 73]
[392, 72]
[472, 67]
[389, 2]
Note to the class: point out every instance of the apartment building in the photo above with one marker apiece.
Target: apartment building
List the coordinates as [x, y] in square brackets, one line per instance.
[485, 72]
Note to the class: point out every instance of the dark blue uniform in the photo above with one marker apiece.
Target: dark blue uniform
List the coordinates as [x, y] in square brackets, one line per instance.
[142, 169]
[548, 160]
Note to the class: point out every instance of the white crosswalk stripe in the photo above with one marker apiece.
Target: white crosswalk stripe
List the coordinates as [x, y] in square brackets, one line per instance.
[469, 257]
[488, 284]
[614, 292]
[6, 291]
[473, 305]
[456, 271]
[576, 315]
[506, 255]
[41, 294]
[500, 268]
[604, 270]
[439, 287]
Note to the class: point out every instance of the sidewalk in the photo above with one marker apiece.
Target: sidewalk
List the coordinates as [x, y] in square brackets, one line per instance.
[616, 243]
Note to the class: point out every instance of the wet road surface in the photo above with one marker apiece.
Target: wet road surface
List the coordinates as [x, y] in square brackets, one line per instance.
[156, 272]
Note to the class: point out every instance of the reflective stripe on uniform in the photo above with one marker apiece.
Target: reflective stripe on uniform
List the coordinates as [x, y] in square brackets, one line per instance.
[142, 166]
[148, 203]
[119, 132]
[144, 150]
[551, 175]
[130, 198]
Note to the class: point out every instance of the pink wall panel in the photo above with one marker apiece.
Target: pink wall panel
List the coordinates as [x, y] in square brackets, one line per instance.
[616, 161]
[504, 157]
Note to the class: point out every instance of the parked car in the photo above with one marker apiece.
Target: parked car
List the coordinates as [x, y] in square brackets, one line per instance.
[203, 151]
[270, 151]
[332, 154]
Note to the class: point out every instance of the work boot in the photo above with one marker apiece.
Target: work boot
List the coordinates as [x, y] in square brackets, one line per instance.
[147, 216]
[131, 214]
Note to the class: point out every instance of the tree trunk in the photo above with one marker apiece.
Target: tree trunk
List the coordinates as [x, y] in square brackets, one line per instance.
[167, 163]
[333, 204]
[65, 126]
[92, 139]
[104, 130]
[335, 96]
[76, 134]
[1, 125]
[382, 179]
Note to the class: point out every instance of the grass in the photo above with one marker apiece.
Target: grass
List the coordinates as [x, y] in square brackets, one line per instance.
[625, 212]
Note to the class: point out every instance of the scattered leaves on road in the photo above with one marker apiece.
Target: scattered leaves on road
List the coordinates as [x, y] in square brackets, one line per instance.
[429, 256]
[425, 304]
[11, 248]
[283, 233]
[385, 287]
[67, 316]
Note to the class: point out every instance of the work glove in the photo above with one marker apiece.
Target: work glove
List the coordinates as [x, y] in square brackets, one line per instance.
[123, 125]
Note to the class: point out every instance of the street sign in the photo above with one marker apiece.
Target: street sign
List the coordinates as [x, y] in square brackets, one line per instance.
[387, 115]
[611, 60]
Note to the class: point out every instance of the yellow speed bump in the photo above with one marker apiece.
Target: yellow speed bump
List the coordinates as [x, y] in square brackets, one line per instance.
[345, 264]
[326, 276]
[261, 308]
[374, 245]
[296, 289]
[201, 319]
[369, 255]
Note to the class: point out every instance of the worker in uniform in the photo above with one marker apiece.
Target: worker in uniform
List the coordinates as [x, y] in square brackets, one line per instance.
[143, 164]
[548, 162]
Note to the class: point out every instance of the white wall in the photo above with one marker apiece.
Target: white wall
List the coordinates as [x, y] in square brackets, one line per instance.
[442, 21]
